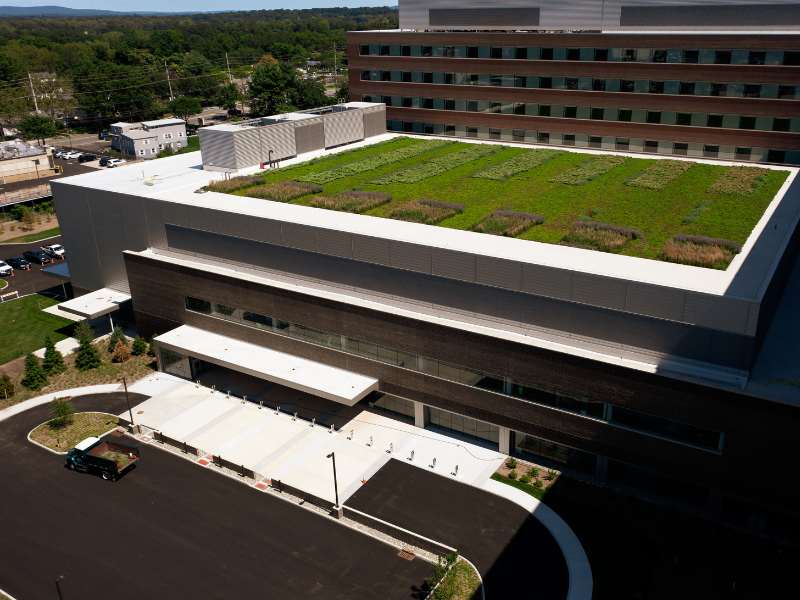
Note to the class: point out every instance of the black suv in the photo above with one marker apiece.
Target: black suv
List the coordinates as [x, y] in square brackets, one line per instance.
[86, 158]
[37, 256]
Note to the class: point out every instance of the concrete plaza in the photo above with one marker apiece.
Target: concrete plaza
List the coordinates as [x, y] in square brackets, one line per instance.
[275, 444]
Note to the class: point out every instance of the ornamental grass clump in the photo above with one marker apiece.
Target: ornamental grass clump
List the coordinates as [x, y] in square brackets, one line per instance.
[507, 222]
[284, 191]
[228, 186]
[588, 170]
[699, 251]
[373, 162]
[351, 201]
[739, 180]
[438, 165]
[599, 236]
[658, 175]
[519, 164]
[429, 212]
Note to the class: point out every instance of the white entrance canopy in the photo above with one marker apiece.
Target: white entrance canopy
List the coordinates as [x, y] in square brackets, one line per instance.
[297, 373]
[95, 304]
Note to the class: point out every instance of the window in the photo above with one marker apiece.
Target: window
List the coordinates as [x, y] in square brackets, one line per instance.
[722, 57]
[146, 142]
[364, 75]
[683, 119]
[178, 144]
[599, 85]
[363, 49]
[719, 89]
[650, 146]
[543, 137]
[571, 83]
[547, 54]
[546, 83]
[544, 110]
[427, 78]
[597, 113]
[385, 51]
[405, 50]
[691, 56]
[535, 448]
[780, 124]
[472, 52]
[743, 153]
[680, 148]
[752, 90]
[687, 88]
[747, 122]
[496, 52]
[180, 134]
[573, 53]
[470, 428]
[625, 115]
[521, 53]
[714, 121]
[629, 55]
[167, 136]
[571, 112]
[654, 116]
[791, 59]
[776, 156]
[386, 75]
[141, 152]
[427, 51]
[659, 56]
[786, 92]
[690, 434]
[601, 54]
[656, 87]
[757, 58]
[626, 85]
[595, 141]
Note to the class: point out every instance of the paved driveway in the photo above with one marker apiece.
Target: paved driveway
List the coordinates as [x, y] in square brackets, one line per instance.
[516, 556]
[169, 529]
[28, 282]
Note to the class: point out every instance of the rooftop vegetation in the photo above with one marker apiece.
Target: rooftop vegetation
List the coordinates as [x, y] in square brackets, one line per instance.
[655, 198]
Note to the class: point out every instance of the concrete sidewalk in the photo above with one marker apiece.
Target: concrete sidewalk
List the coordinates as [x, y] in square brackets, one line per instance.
[277, 446]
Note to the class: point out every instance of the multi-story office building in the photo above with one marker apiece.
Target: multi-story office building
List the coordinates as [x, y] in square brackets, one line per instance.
[706, 80]
[631, 371]
[148, 138]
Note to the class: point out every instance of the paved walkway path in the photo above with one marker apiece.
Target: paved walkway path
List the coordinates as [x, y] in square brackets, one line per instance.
[277, 446]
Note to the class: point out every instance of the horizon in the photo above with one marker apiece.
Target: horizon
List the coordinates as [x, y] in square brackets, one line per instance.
[201, 6]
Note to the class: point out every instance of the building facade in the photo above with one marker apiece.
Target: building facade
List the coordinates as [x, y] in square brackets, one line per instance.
[148, 138]
[731, 95]
[21, 162]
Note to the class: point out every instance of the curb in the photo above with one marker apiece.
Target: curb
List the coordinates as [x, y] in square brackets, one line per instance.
[581, 582]
[52, 237]
[38, 401]
[7, 595]
[34, 442]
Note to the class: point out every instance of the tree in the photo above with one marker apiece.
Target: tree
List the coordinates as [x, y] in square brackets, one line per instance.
[35, 377]
[61, 413]
[343, 93]
[88, 356]
[185, 107]
[7, 388]
[139, 346]
[28, 218]
[121, 352]
[53, 359]
[34, 127]
[228, 96]
[167, 151]
[117, 335]
[151, 351]
[269, 86]
[308, 93]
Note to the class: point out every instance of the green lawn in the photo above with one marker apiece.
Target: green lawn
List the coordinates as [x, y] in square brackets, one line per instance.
[658, 214]
[32, 237]
[192, 145]
[26, 327]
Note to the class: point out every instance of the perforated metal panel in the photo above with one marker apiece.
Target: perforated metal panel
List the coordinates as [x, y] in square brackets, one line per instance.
[373, 250]
[299, 236]
[454, 265]
[337, 243]
[109, 232]
[204, 218]
[726, 314]
[234, 224]
[135, 221]
[599, 291]
[155, 223]
[280, 139]
[265, 230]
[497, 272]
[248, 147]
[661, 302]
[310, 135]
[545, 281]
[77, 235]
[411, 257]
[217, 148]
[176, 214]
[343, 128]
[374, 122]
[721, 15]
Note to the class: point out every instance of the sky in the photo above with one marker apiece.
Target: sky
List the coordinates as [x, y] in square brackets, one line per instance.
[203, 5]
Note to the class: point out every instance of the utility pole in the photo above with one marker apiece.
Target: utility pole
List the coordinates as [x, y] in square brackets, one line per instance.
[335, 77]
[230, 79]
[171, 97]
[33, 91]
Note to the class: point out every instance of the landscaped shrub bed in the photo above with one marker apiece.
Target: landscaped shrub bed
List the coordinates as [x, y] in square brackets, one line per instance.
[227, 186]
[373, 162]
[739, 180]
[699, 251]
[429, 212]
[439, 165]
[83, 425]
[658, 175]
[589, 170]
[528, 473]
[283, 191]
[351, 201]
[599, 236]
[524, 162]
[508, 223]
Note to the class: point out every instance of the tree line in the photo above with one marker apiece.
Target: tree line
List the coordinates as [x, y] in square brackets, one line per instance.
[134, 66]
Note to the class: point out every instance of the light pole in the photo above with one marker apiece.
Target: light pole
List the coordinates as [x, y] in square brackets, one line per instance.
[335, 486]
[130, 412]
[58, 587]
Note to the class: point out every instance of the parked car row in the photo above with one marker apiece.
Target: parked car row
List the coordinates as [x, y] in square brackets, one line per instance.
[105, 161]
[40, 257]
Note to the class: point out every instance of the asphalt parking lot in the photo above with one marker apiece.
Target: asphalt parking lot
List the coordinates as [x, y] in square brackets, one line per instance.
[28, 282]
[171, 529]
[515, 554]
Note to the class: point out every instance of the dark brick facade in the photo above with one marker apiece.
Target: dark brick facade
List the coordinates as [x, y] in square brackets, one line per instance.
[755, 430]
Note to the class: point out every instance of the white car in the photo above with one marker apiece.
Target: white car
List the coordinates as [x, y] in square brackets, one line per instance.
[115, 162]
[71, 155]
[60, 153]
[5, 269]
[56, 250]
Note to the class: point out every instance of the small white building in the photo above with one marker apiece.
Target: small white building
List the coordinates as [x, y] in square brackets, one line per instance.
[148, 138]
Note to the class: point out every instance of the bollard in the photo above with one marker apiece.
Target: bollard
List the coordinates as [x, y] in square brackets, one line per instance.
[391, 448]
[352, 437]
[456, 470]
[260, 404]
[332, 428]
[370, 441]
[295, 416]
[434, 463]
[278, 410]
[412, 455]
[314, 420]
[245, 400]
[229, 394]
